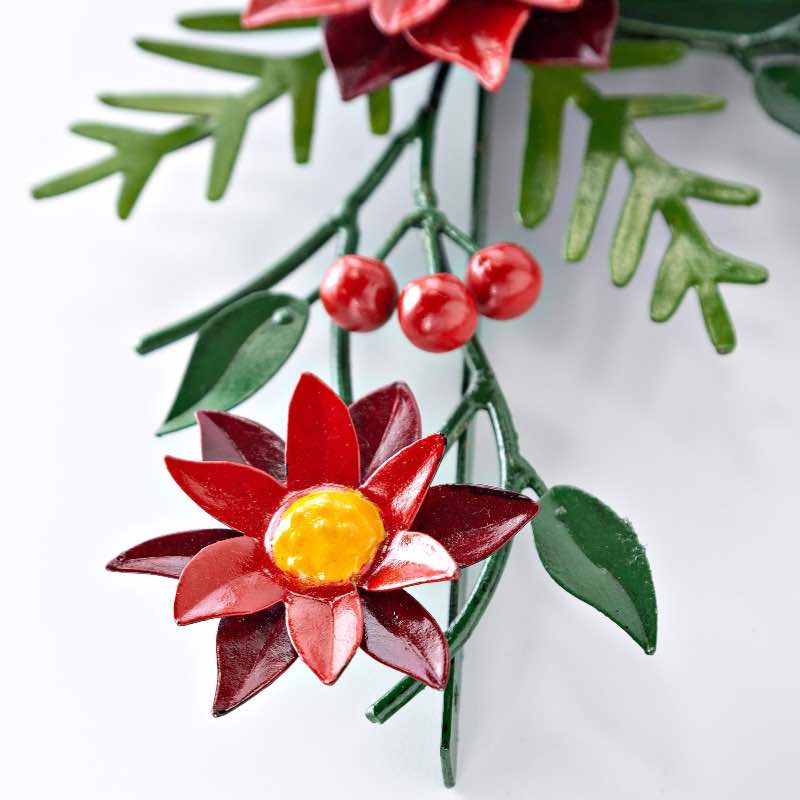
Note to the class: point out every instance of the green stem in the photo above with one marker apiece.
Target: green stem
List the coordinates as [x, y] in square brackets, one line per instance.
[340, 338]
[516, 473]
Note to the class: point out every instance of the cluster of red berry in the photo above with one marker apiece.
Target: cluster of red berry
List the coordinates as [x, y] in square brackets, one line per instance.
[438, 313]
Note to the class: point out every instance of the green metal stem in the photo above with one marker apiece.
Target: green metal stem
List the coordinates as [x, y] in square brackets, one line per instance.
[340, 338]
[516, 473]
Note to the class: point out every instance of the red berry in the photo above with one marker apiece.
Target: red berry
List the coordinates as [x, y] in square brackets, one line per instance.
[359, 293]
[505, 280]
[437, 313]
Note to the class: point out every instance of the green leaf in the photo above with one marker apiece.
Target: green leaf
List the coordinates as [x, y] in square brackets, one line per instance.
[302, 76]
[596, 556]
[778, 90]
[635, 53]
[237, 352]
[735, 16]
[380, 110]
[211, 57]
[231, 22]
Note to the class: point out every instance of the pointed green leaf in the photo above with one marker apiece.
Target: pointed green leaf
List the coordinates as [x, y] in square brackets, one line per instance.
[596, 556]
[380, 110]
[231, 22]
[630, 236]
[635, 53]
[718, 191]
[166, 103]
[229, 130]
[716, 317]
[303, 78]
[237, 352]
[674, 278]
[602, 151]
[778, 91]
[548, 96]
[663, 105]
[211, 57]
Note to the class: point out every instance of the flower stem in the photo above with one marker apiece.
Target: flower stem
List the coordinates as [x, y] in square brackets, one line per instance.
[340, 338]
[484, 393]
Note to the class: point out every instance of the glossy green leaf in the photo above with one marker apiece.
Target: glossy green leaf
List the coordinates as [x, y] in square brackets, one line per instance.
[596, 556]
[231, 22]
[237, 352]
[778, 90]
[736, 16]
[380, 110]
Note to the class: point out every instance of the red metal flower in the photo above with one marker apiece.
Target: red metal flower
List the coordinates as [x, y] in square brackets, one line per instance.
[371, 42]
[328, 530]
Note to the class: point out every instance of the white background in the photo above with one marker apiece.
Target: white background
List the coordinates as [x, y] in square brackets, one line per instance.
[103, 697]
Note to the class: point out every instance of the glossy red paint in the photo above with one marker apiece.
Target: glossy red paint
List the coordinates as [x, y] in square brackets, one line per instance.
[359, 293]
[168, 555]
[399, 486]
[264, 12]
[325, 633]
[322, 446]
[386, 421]
[581, 38]
[471, 522]
[226, 437]
[225, 579]
[252, 652]
[409, 559]
[371, 42]
[505, 280]
[400, 633]
[477, 34]
[363, 58]
[238, 495]
[437, 313]
[232, 576]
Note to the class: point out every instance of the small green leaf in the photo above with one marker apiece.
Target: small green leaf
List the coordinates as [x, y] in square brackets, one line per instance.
[237, 352]
[595, 555]
[635, 53]
[550, 90]
[211, 57]
[231, 22]
[778, 91]
[380, 110]
[302, 75]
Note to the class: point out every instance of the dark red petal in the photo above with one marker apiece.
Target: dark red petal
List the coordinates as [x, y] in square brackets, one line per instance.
[473, 521]
[168, 555]
[265, 12]
[400, 633]
[398, 487]
[321, 444]
[237, 495]
[393, 16]
[478, 34]
[226, 437]
[325, 632]
[411, 558]
[386, 421]
[223, 580]
[555, 5]
[580, 38]
[363, 58]
[252, 652]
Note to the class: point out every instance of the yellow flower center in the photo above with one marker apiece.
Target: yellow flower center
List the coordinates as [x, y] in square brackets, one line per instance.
[327, 536]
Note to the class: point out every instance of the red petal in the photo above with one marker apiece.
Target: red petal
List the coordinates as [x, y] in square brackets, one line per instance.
[411, 558]
[393, 16]
[386, 421]
[478, 34]
[555, 5]
[237, 495]
[581, 38]
[321, 446]
[252, 652]
[224, 580]
[226, 437]
[265, 12]
[400, 633]
[398, 487]
[168, 555]
[325, 632]
[473, 521]
[363, 58]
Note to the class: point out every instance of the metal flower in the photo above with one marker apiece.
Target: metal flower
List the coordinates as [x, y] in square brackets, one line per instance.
[327, 531]
[371, 42]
